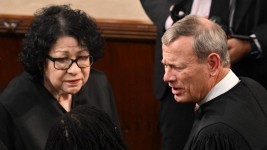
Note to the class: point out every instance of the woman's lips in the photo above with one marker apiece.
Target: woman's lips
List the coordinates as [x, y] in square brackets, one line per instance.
[73, 81]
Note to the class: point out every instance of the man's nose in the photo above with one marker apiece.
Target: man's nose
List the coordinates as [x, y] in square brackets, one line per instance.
[167, 75]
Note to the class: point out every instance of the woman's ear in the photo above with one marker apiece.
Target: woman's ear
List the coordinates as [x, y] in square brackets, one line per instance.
[213, 62]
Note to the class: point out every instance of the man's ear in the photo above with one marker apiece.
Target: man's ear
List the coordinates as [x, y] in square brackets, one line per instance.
[213, 62]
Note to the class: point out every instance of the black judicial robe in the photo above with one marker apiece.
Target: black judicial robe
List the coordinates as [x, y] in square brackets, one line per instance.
[28, 110]
[235, 120]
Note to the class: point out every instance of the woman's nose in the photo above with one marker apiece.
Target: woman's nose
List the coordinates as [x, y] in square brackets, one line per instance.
[74, 68]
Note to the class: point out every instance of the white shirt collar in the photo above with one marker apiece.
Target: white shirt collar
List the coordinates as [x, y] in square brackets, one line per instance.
[228, 82]
[201, 8]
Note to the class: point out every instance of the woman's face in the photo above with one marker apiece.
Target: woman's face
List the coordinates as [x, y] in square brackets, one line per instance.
[67, 81]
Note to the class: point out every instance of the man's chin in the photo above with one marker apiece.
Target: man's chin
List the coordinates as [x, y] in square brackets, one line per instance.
[180, 99]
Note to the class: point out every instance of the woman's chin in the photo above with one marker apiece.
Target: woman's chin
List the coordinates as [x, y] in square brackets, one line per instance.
[73, 90]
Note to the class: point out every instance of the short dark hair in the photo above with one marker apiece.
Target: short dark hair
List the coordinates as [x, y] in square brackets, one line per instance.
[85, 128]
[49, 24]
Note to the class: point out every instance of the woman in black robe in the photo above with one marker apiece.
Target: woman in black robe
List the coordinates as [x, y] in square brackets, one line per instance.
[58, 52]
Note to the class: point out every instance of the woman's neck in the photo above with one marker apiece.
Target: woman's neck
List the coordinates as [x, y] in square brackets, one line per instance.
[63, 98]
[65, 101]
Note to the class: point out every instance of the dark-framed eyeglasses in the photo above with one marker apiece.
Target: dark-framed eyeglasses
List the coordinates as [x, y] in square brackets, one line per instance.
[66, 63]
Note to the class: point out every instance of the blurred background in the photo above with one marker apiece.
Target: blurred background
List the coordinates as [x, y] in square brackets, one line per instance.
[109, 9]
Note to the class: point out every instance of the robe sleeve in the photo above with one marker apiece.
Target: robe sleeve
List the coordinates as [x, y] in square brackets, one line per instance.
[4, 121]
[9, 137]
[219, 136]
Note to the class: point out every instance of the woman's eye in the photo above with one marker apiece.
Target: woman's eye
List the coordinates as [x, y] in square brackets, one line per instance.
[83, 57]
[62, 60]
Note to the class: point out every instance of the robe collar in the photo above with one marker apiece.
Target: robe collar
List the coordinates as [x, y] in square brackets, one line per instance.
[227, 83]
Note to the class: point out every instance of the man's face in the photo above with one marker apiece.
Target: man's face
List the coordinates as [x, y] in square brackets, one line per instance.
[186, 76]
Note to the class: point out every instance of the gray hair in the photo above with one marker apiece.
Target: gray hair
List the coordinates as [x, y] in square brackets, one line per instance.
[208, 38]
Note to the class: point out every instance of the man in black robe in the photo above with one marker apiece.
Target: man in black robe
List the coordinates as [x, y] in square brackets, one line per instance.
[248, 20]
[231, 111]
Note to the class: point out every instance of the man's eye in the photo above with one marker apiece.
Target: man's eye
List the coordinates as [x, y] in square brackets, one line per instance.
[177, 68]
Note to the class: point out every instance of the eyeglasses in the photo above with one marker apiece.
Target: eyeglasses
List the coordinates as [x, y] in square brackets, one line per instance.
[66, 63]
